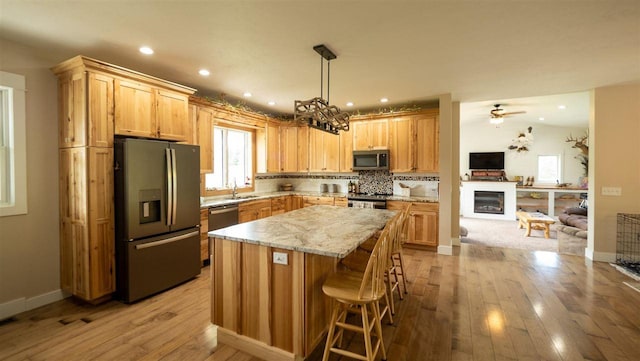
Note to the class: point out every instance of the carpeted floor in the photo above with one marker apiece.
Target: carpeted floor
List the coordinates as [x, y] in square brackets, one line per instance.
[494, 233]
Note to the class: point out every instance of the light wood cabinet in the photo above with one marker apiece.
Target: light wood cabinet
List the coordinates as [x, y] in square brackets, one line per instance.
[87, 255]
[172, 116]
[324, 149]
[288, 149]
[250, 211]
[423, 224]
[303, 149]
[346, 151]
[273, 148]
[145, 111]
[297, 202]
[423, 221]
[278, 205]
[204, 124]
[309, 201]
[204, 237]
[414, 142]
[341, 202]
[370, 134]
[85, 110]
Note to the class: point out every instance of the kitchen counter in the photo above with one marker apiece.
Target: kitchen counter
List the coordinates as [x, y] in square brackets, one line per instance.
[267, 276]
[247, 197]
[324, 230]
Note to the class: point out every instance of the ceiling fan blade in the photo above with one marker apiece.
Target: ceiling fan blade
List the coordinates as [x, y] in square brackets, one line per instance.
[512, 113]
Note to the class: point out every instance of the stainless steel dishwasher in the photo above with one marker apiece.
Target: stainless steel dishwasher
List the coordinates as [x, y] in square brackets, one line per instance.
[221, 217]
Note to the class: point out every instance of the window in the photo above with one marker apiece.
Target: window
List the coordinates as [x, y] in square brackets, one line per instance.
[232, 159]
[13, 159]
[549, 170]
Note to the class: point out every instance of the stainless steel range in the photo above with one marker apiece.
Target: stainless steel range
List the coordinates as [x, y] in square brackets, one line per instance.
[377, 201]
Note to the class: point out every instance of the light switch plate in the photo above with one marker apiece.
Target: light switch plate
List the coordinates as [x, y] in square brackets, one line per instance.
[280, 258]
[611, 191]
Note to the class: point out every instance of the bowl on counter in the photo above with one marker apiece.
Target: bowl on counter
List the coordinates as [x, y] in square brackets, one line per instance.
[286, 187]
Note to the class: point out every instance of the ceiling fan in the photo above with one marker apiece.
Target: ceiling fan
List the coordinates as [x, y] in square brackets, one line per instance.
[498, 114]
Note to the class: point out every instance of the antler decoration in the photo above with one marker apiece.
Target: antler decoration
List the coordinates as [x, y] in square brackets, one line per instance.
[579, 143]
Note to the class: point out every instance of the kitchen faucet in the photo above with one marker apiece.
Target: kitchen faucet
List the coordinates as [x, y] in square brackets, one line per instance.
[234, 189]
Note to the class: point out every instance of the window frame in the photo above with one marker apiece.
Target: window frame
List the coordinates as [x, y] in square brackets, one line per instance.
[253, 167]
[16, 138]
[558, 169]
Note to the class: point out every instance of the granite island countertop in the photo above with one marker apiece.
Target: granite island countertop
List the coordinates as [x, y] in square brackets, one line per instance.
[325, 230]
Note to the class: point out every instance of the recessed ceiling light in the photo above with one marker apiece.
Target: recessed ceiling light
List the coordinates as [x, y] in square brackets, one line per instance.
[271, 102]
[384, 100]
[349, 104]
[247, 94]
[541, 118]
[146, 50]
[562, 107]
[204, 72]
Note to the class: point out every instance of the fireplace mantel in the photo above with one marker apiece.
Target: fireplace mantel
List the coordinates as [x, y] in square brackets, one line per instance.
[467, 199]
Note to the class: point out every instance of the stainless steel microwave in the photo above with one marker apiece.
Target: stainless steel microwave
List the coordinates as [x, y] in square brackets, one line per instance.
[371, 159]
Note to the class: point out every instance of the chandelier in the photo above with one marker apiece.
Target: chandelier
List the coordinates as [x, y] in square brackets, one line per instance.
[316, 112]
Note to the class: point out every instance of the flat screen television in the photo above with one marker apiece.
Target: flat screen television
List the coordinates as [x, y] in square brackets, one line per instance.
[486, 160]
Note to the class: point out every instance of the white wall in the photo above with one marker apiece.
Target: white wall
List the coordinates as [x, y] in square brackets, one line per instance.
[547, 140]
[29, 244]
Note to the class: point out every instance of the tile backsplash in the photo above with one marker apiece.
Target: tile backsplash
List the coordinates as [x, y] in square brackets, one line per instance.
[368, 182]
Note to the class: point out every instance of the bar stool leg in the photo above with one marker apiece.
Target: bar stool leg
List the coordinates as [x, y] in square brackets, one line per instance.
[402, 272]
[367, 334]
[332, 327]
[378, 327]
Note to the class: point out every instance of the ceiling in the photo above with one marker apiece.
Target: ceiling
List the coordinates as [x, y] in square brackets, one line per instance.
[482, 52]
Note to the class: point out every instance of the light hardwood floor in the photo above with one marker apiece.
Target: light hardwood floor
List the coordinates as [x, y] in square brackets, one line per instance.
[480, 304]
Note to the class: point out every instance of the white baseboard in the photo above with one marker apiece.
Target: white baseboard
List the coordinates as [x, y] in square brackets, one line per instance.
[23, 304]
[446, 250]
[599, 256]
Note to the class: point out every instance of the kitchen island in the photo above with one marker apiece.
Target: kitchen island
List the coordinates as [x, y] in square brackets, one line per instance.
[267, 276]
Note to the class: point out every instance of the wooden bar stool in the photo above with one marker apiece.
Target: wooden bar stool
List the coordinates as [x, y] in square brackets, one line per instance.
[396, 250]
[360, 292]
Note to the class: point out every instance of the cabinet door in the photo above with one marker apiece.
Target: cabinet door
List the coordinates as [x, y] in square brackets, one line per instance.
[278, 205]
[423, 225]
[371, 134]
[309, 201]
[316, 150]
[303, 149]
[289, 149]
[401, 145]
[346, 151]
[273, 148]
[71, 116]
[135, 109]
[341, 202]
[172, 116]
[427, 144]
[331, 150]
[204, 123]
[204, 238]
[101, 110]
[101, 223]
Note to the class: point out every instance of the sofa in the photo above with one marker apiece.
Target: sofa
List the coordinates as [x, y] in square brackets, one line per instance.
[572, 233]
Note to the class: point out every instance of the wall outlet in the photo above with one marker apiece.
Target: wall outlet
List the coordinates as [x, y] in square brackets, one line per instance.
[611, 191]
[280, 258]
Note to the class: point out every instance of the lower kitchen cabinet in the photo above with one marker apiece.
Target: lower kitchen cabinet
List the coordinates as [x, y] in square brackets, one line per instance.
[297, 202]
[278, 205]
[309, 201]
[423, 221]
[250, 211]
[204, 238]
[341, 202]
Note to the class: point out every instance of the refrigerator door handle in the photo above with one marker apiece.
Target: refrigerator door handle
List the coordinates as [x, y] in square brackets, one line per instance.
[174, 174]
[167, 152]
[168, 240]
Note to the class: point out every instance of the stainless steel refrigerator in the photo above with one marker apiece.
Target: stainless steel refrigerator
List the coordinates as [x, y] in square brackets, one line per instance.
[157, 199]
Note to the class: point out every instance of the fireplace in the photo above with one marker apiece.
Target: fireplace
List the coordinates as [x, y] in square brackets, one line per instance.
[491, 202]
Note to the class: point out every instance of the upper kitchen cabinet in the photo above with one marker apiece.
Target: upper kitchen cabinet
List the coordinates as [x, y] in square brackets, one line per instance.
[370, 134]
[346, 151]
[273, 148]
[204, 126]
[172, 116]
[85, 108]
[289, 148]
[303, 149]
[413, 145]
[324, 151]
